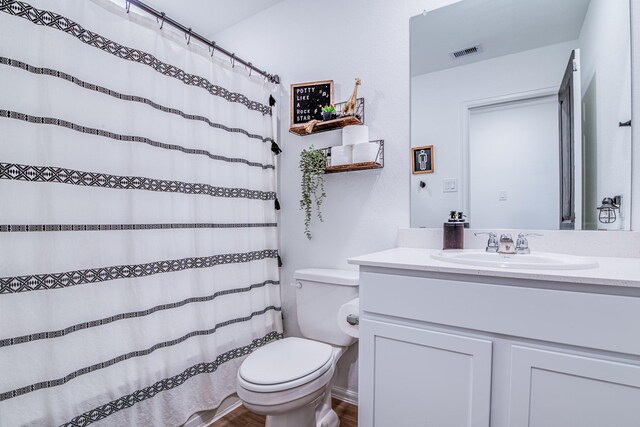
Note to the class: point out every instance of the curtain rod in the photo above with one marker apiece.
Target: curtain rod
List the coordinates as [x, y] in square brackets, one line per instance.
[274, 78]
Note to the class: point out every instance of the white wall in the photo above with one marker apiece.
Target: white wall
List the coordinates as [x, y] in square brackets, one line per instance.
[437, 101]
[307, 41]
[303, 40]
[605, 52]
[635, 113]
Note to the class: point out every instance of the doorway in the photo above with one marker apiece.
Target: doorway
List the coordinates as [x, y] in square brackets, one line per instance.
[513, 160]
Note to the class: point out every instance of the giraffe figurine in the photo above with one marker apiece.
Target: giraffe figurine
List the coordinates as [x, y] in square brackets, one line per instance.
[349, 107]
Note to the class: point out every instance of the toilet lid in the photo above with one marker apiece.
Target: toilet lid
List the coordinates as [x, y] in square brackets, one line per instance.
[284, 361]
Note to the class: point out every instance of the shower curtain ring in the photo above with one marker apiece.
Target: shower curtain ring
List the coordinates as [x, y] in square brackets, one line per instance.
[188, 39]
[162, 23]
[212, 47]
[250, 69]
[127, 5]
[233, 60]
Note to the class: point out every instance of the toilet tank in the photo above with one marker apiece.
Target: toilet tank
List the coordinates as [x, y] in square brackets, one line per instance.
[319, 295]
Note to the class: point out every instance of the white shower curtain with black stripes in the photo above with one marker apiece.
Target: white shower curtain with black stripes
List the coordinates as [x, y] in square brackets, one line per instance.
[138, 238]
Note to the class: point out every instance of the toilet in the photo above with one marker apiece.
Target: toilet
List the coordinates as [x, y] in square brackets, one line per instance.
[290, 380]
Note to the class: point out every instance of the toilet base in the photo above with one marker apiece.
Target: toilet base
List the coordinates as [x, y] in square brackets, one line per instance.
[301, 417]
[314, 414]
[325, 415]
[330, 420]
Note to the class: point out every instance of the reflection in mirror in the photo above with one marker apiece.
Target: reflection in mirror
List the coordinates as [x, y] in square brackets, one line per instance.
[525, 104]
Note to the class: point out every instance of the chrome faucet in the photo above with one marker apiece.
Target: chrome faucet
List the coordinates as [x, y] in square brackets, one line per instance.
[522, 244]
[506, 245]
[492, 243]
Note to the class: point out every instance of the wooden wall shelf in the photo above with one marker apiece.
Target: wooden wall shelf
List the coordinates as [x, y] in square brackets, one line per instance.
[353, 167]
[377, 164]
[327, 125]
[334, 124]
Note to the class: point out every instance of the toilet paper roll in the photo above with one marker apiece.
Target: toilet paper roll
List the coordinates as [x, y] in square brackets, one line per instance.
[350, 308]
[366, 152]
[355, 134]
[341, 155]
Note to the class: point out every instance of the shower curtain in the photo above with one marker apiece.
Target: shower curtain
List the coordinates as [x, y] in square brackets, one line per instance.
[138, 235]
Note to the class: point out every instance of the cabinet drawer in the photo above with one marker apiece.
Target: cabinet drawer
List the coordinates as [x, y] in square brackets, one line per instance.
[583, 319]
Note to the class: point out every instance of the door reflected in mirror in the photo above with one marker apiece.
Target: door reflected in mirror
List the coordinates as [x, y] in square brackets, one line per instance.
[525, 104]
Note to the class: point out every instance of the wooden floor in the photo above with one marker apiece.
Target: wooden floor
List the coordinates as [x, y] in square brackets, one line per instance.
[240, 417]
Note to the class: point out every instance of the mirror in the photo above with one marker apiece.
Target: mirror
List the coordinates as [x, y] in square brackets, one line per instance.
[522, 109]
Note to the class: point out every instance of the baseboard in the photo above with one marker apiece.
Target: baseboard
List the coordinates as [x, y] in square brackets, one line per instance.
[345, 395]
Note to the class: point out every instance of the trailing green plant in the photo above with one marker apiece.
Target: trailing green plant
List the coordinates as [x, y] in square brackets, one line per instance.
[312, 164]
[328, 109]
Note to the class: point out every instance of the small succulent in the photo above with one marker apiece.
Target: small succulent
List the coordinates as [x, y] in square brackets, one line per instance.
[328, 109]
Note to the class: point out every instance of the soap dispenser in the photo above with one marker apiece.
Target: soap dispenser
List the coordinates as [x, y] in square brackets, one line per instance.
[453, 231]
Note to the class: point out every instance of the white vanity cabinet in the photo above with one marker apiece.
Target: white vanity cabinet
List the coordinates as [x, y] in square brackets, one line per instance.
[444, 349]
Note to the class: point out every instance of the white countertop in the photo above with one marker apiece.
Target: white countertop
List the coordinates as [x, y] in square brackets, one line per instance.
[610, 271]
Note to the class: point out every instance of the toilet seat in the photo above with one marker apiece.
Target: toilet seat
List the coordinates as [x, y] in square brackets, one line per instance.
[285, 364]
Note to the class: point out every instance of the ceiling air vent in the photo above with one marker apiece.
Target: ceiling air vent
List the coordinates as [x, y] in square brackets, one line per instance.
[464, 52]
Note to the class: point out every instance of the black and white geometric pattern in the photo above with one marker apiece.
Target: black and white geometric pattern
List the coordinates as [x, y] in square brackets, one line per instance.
[127, 138]
[38, 282]
[233, 125]
[139, 353]
[96, 88]
[138, 396]
[17, 172]
[130, 315]
[22, 228]
[59, 22]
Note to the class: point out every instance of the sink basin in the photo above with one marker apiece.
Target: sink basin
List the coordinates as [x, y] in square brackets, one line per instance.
[535, 261]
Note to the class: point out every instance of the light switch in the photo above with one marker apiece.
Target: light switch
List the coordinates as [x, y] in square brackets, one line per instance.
[502, 196]
[449, 185]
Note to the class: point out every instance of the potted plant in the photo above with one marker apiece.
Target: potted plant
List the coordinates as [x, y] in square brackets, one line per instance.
[312, 164]
[328, 112]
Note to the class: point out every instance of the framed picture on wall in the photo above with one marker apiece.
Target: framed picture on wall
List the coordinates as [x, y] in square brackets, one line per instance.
[307, 100]
[422, 159]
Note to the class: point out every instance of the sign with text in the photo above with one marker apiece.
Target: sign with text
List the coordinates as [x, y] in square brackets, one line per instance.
[307, 100]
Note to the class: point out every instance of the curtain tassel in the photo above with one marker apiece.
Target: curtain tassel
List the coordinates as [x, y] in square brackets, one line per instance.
[277, 204]
[272, 101]
[275, 148]
[279, 261]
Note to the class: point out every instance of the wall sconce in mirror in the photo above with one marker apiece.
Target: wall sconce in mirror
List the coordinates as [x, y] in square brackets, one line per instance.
[608, 209]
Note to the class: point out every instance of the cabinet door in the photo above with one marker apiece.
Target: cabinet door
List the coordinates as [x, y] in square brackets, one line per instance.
[423, 378]
[554, 389]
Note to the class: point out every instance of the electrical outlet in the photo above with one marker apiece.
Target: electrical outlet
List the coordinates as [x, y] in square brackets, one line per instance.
[449, 185]
[502, 196]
